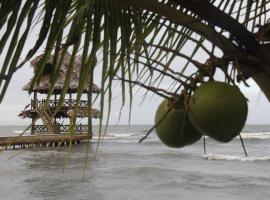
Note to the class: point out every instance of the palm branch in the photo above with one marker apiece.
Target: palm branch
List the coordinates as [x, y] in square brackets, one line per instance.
[140, 42]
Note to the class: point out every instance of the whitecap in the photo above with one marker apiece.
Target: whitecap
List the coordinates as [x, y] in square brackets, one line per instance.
[20, 131]
[109, 136]
[235, 157]
[255, 135]
[120, 135]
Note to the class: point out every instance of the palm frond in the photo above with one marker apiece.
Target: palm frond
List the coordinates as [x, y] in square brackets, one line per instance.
[136, 41]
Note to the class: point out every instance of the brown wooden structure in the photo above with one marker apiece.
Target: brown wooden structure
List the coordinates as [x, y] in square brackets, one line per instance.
[42, 109]
[48, 140]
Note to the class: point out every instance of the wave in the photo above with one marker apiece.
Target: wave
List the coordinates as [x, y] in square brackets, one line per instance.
[255, 135]
[109, 136]
[138, 135]
[106, 136]
[145, 130]
[235, 157]
[20, 131]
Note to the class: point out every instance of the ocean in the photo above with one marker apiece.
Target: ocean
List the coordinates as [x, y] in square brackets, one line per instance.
[127, 170]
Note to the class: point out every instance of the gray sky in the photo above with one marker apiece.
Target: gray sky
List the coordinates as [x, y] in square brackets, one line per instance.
[16, 99]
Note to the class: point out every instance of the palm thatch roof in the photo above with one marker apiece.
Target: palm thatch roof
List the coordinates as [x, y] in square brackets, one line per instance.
[44, 84]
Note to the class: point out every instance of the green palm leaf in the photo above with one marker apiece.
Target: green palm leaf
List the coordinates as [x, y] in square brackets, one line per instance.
[138, 42]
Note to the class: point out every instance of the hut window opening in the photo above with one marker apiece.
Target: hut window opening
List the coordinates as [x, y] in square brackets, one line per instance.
[48, 69]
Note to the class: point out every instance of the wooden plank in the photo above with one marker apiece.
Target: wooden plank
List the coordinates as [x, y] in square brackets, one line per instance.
[41, 139]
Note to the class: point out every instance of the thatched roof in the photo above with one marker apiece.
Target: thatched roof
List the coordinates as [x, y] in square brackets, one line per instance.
[44, 84]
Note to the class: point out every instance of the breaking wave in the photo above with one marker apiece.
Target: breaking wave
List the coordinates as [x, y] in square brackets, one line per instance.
[109, 136]
[255, 135]
[20, 131]
[235, 157]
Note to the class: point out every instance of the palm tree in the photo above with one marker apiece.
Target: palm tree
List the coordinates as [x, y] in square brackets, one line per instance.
[143, 42]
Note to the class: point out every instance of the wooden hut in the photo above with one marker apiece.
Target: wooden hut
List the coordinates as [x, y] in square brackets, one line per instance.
[40, 109]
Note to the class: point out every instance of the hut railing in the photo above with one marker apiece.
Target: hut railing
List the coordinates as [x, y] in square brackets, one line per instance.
[70, 103]
[42, 129]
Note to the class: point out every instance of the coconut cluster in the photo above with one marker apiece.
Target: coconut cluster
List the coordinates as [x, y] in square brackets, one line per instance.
[216, 109]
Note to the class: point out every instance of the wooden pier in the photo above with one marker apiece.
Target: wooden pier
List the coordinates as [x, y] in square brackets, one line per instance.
[49, 140]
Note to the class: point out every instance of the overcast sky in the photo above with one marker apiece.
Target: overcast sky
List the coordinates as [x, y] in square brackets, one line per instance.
[16, 99]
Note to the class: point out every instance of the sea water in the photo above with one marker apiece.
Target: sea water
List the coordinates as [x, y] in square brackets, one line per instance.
[117, 167]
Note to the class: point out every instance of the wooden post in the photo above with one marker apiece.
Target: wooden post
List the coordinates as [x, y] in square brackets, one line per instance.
[34, 119]
[70, 100]
[33, 126]
[69, 105]
[35, 95]
[55, 100]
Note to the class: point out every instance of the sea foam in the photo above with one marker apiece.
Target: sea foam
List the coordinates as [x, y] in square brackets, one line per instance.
[20, 131]
[235, 157]
[255, 135]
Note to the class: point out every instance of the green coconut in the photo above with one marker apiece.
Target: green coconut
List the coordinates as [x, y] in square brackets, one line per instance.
[175, 130]
[218, 110]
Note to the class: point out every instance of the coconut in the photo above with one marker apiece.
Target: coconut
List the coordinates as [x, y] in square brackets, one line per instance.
[175, 130]
[218, 110]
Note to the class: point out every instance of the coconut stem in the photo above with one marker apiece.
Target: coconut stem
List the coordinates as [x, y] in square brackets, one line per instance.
[147, 134]
[156, 125]
[204, 144]
[243, 145]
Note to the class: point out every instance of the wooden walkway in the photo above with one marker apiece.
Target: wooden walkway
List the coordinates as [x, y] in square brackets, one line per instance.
[19, 142]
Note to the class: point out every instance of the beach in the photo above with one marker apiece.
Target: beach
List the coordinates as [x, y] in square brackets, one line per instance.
[125, 169]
